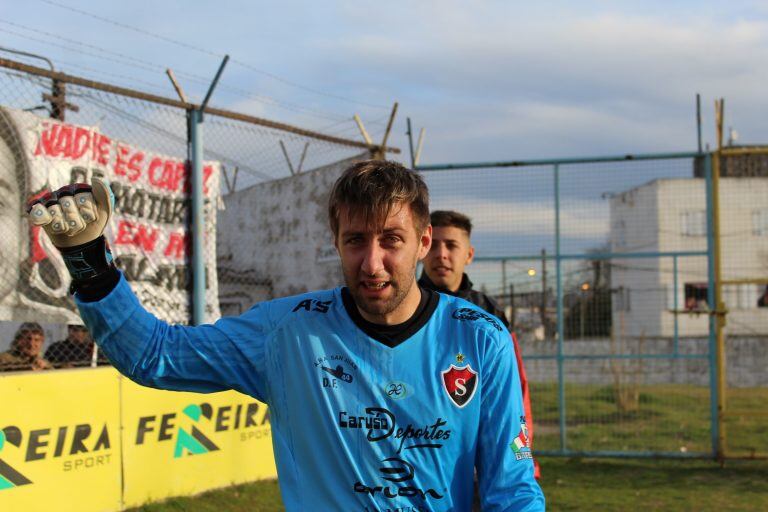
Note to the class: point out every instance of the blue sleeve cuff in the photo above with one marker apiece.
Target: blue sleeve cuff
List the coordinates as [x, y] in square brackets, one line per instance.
[108, 314]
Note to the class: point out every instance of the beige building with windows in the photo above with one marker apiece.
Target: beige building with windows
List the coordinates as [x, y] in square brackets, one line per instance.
[669, 215]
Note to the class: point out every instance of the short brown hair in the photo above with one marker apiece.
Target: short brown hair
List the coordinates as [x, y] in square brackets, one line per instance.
[372, 187]
[449, 218]
[25, 329]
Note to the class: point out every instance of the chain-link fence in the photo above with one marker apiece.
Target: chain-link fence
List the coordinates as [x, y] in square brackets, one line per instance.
[742, 294]
[604, 268]
[57, 129]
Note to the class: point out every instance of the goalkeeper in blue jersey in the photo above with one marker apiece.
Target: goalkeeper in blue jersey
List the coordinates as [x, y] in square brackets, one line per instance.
[383, 395]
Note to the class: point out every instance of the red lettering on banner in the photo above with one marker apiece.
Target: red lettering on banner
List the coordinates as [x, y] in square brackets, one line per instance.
[46, 141]
[72, 142]
[177, 245]
[155, 164]
[124, 230]
[138, 235]
[127, 164]
[63, 140]
[166, 174]
[173, 175]
[207, 172]
[120, 160]
[80, 142]
[134, 165]
[101, 148]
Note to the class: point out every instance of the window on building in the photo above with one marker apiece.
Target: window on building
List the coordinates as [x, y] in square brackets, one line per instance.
[760, 222]
[693, 223]
[762, 301]
[696, 297]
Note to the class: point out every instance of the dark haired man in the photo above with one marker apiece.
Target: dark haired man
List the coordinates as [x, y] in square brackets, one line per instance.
[382, 395]
[77, 349]
[450, 253]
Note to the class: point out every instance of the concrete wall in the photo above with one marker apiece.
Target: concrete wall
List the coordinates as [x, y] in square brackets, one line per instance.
[274, 239]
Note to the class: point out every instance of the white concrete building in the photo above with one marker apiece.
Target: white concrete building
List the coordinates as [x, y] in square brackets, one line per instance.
[669, 215]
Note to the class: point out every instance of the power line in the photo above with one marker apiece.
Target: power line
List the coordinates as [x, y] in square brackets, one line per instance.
[94, 100]
[213, 54]
[151, 66]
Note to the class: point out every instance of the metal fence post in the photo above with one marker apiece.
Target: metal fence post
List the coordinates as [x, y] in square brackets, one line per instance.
[675, 306]
[560, 322]
[198, 201]
[713, 368]
[198, 216]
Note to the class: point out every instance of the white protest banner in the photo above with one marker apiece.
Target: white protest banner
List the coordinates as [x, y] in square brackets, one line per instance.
[149, 233]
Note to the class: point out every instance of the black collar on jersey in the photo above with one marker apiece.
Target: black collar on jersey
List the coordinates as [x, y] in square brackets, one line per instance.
[465, 287]
[393, 335]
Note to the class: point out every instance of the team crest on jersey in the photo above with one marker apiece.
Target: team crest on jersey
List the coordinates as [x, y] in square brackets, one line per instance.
[460, 382]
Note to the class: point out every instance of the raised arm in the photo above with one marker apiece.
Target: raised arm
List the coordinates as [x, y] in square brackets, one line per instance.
[229, 354]
[206, 358]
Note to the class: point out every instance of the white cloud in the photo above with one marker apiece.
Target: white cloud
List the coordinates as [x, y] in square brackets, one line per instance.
[488, 79]
[578, 218]
[523, 87]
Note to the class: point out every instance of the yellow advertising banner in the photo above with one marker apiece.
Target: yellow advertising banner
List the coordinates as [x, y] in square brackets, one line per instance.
[186, 443]
[60, 441]
[91, 440]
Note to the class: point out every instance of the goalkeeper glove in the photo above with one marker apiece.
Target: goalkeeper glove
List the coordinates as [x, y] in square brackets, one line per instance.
[75, 217]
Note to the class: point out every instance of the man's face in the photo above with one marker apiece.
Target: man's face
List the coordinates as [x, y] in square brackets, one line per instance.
[10, 222]
[31, 343]
[449, 254]
[78, 334]
[379, 265]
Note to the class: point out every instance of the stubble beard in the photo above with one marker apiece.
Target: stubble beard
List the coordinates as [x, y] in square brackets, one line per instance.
[400, 285]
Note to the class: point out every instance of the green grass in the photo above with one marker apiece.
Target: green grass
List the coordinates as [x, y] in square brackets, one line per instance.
[571, 484]
[629, 485]
[668, 418]
[261, 496]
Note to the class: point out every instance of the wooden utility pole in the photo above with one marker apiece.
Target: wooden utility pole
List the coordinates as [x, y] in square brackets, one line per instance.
[58, 100]
[718, 308]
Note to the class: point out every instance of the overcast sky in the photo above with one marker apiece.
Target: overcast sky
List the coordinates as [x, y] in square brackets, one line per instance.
[488, 80]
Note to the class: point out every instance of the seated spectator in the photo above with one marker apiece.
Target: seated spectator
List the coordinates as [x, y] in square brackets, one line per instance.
[24, 353]
[76, 350]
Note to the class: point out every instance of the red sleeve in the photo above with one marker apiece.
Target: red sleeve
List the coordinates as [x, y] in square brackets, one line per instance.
[526, 400]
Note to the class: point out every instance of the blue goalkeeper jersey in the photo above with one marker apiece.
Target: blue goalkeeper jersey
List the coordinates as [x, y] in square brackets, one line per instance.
[357, 425]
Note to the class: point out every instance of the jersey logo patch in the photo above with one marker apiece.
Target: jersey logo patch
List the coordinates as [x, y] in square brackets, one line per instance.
[339, 373]
[521, 445]
[460, 382]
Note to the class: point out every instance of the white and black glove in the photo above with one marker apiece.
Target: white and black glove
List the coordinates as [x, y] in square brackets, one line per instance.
[75, 217]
